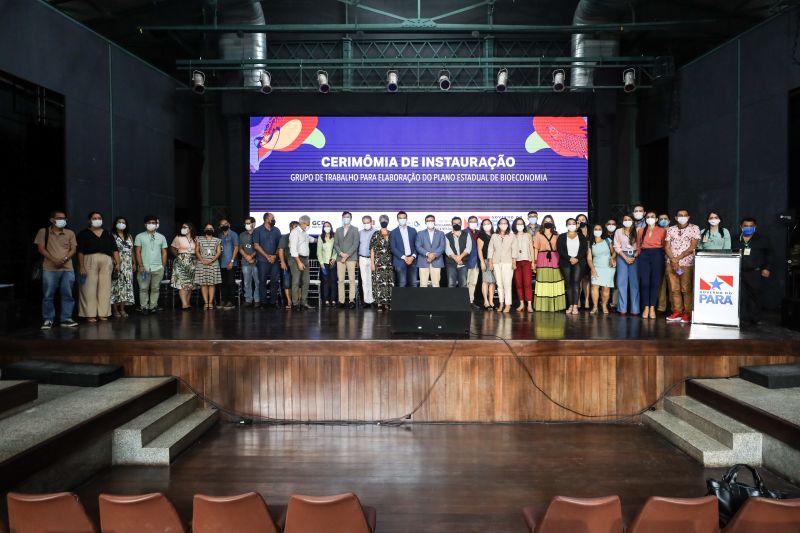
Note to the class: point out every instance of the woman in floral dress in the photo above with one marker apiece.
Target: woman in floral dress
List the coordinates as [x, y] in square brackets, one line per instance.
[207, 272]
[183, 248]
[122, 286]
[382, 271]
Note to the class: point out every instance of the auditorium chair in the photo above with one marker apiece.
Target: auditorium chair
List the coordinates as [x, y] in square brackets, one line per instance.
[342, 513]
[243, 513]
[570, 515]
[46, 513]
[677, 515]
[762, 514]
[145, 513]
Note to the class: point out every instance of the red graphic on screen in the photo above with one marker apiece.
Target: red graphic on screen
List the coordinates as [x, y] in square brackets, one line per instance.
[285, 134]
[566, 136]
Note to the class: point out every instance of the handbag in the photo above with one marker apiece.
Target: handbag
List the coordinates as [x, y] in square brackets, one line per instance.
[732, 494]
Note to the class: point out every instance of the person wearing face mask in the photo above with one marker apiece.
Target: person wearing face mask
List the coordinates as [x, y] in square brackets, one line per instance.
[638, 217]
[573, 255]
[610, 229]
[227, 263]
[403, 242]
[714, 236]
[472, 260]
[122, 284]
[284, 256]
[651, 263]
[502, 261]
[550, 294]
[252, 296]
[380, 251]
[57, 245]
[664, 290]
[680, 244]
[533, 223]
[346, 242]
[430, 247]
[207, 272]
[266, 239]
[627, 247]
[98, 257]
[327, 266]
[586, 280]
[300, 250]
[458, 246]
[488, 279]
[364, 262]
[151, 256]
[602, 262]
[523, 274]
[184, 264]
[756, 268]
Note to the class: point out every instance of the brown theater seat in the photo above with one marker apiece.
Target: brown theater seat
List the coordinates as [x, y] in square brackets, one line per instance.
[677, 515]
[243, 513]
[145, 513]
[60, 512]
[762, 514]
[576, 515]
[342, 513]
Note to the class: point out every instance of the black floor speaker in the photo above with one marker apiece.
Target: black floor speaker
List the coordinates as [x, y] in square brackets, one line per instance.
[430, 311]
[790, 313]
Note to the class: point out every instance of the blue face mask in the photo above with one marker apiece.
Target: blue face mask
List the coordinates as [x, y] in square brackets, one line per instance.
[533, 220]
[663, 223]
[402, 221]
[748, 232]
[345, 221]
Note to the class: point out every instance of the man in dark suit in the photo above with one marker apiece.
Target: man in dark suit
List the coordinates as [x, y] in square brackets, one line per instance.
[430, 251]
[402, 241]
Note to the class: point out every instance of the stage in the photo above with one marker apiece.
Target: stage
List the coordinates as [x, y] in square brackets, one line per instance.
[337, 365]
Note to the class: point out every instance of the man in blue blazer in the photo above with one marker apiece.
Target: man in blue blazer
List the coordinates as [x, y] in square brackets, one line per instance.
[403, 242]
[430, 248]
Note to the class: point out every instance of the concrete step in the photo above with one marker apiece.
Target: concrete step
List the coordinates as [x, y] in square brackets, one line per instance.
[14, 393]
[692, 441]
[147, 426]
[745, 442]
[166, 446]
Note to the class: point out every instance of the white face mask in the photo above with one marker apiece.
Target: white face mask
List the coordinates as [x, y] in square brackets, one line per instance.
[611, 228]
[520, 227]
[430, 225]
[151, 227]
[572, 227]
[638, 215]
[121, 226]
[713, 221]
[402, 221]
[367, 226]
[503, 227]
[533, 220]
[248, 227]
[598, 233]
[682, 220]
[97, 223]
[651, 221]
[184, 231]
[473, 226]
[345, 221]
[61, 223]
[627, 223]
[487, 228]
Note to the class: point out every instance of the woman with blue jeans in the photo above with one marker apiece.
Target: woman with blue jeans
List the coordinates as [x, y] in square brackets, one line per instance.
[651, 263]
[327, 266]
[627, 248]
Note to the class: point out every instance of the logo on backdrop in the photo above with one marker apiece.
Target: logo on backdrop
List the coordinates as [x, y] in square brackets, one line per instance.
[717, 292]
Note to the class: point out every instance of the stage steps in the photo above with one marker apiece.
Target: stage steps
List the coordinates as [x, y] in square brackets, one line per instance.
[160, 434]
[705, 434]
[14, 393]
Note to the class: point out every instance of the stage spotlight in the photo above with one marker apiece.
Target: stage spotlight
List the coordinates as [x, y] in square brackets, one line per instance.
[558, 81]
[502, 80]
[322, 79]
[629, 80]
[265, 79]
[391, 81]
[198, 82]
[444, 79]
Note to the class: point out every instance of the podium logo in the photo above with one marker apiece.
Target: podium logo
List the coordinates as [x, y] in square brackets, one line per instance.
[717, 292]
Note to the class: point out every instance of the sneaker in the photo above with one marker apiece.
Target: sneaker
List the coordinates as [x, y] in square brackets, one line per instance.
[47, 324]
[69, 324]
[686, 318]
[674, 317]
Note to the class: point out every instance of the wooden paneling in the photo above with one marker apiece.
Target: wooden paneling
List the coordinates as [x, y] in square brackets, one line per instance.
[379, 380]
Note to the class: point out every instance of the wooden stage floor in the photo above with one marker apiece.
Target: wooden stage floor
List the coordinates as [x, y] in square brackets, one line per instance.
[431, 479]
[330, 364]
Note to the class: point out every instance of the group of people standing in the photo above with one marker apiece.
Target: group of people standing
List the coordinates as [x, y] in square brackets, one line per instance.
[631, 267]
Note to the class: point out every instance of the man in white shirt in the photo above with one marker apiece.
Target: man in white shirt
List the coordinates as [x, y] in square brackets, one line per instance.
[298, 264]
[364, 262]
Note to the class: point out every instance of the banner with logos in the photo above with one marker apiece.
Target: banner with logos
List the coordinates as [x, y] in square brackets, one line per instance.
[716, 289]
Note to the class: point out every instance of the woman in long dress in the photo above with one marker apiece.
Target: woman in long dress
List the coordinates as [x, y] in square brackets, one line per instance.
[184, 264]
[382, 271]
[122, 285]
[550, 292]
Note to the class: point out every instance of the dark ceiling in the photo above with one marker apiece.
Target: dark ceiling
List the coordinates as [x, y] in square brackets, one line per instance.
[120, 21]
